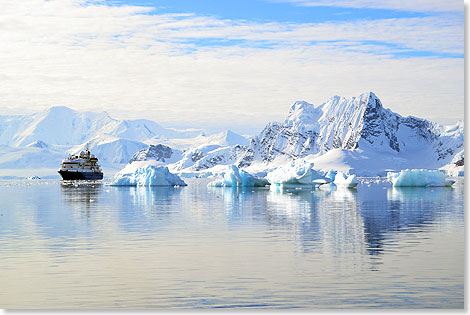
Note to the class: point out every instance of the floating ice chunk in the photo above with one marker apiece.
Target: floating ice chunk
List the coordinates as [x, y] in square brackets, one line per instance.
[329, 186]
[331, 174]
[419, 178]
[345, 180]
[320, 181]
[233, 177]
[148, 175]
[33, 177]
[294, 174]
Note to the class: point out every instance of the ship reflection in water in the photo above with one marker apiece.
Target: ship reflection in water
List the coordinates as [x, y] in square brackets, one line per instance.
[203, 247]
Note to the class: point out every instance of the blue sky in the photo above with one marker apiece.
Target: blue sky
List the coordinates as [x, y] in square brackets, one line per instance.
[304, 12]
[231, 64]
[269, 11]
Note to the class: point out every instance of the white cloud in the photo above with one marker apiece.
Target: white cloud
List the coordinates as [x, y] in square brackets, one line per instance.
[412, 5]
[134, 65]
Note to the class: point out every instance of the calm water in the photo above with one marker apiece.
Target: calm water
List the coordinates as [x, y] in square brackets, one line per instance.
[96, 246]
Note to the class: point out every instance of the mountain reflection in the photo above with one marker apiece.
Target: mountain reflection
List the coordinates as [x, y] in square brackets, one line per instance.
[340, 221]
[337, 221]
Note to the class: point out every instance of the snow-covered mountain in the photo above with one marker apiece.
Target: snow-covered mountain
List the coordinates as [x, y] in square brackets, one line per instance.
[341, 133]
[63, 126]
[43, 139]
[356, 123]
[61, 130]
[160, 153]
[362, 129]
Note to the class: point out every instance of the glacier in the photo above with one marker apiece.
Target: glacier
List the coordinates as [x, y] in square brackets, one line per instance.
[145, 174]
[419, 178]
[233, 177]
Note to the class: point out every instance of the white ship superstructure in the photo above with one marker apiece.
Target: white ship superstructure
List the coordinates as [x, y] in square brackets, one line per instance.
[82, 166]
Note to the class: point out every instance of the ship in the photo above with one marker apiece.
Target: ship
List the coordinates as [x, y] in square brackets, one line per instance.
[83, 166]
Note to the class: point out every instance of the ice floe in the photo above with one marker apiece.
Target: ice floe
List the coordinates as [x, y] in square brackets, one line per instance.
[233, 177]
[419, 178]
[294, 174]
[345, 180]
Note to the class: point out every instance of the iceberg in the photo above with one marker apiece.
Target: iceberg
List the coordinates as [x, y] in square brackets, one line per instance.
[331, 175]
[345, 180]
[233, 177]
[147, 175]
[419, 178]
[294, 174]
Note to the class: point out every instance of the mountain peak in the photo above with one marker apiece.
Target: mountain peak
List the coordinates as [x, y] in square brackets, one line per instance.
[372, 100]
[59, 110]
[228, 137]
[302, 112]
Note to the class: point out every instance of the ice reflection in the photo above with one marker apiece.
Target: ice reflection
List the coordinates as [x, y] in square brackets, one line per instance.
[294, 204]
[142, 195]
[146, 208]
[340, 221]
[242, 202]
[416, 196]
[337, 221]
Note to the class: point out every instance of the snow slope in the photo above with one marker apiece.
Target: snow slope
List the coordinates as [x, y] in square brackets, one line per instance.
[64, 126]
[198, 154]
[222, 139]
[61, 130]
[29, 157]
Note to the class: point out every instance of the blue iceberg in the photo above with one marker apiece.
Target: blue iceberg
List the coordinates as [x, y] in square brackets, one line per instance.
[299, 173]
[148, 175]
[233, 177]
[419, 178]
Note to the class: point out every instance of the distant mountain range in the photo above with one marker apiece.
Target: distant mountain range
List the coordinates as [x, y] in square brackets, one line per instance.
[341, 133]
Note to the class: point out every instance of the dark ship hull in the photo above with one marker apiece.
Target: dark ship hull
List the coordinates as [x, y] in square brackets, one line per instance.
[68, 175]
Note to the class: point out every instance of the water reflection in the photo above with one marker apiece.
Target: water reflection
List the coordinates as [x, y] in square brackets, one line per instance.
[146, 208]
[77, 246]
[81, 195]
[340, 221]
[418, 195]
[242, 203]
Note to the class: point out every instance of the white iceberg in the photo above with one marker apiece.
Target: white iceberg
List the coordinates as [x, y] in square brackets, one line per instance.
[294, 174]
[146, 175]
[419, 178]
[345, 180]
[331, 174]
[233, 177]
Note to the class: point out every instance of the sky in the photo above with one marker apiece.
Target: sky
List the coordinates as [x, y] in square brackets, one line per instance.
[230, 64]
